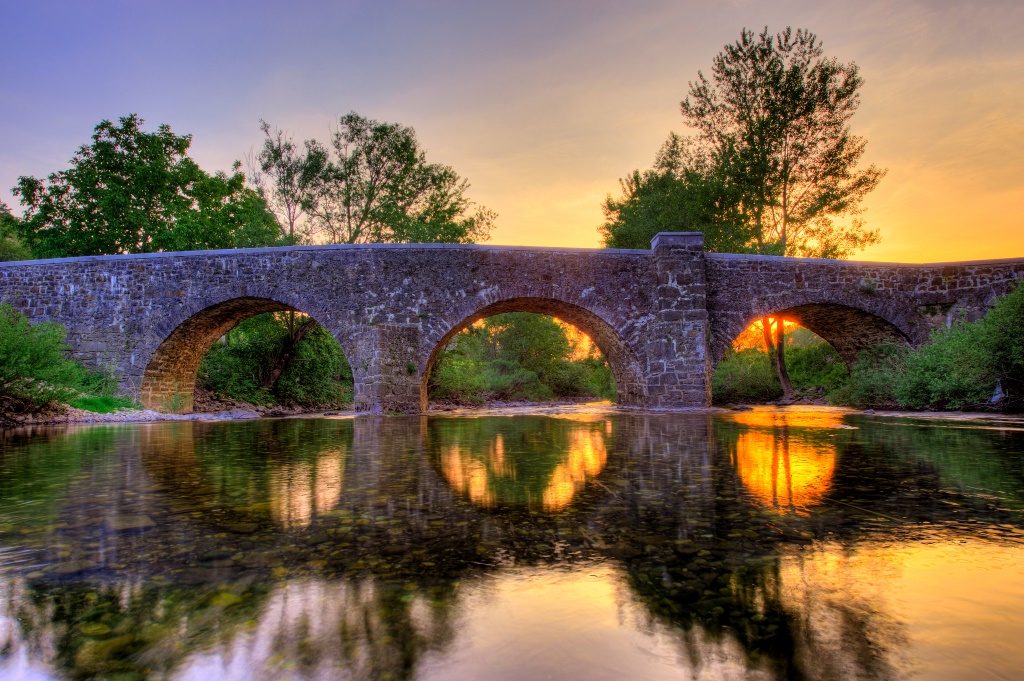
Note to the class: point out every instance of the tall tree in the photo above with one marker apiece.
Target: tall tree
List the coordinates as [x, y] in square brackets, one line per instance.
[775, 115]
[772, 168]
[132, 191]
[372, 184]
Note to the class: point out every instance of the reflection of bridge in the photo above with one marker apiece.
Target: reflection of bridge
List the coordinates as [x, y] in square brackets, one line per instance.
[662, 317]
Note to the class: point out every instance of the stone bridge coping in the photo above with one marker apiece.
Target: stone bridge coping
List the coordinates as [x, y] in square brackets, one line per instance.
[861, 263]
[320, 249]
[499, 249]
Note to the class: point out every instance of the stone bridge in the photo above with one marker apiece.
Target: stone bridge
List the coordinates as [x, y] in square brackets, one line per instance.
[662, 317]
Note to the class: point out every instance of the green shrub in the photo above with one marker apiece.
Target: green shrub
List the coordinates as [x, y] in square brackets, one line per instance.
[745, 376]
[1004, 339]
[874, 378]
[813, 365]
[34, 368]
[958, 368]
[953, 370]
[317, 375]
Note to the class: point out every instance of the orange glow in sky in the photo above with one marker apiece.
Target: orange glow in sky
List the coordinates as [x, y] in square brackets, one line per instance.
[542, 107]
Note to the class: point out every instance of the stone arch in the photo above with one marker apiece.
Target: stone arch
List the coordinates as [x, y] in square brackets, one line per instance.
[168, 382]
[846, 328]
[622, 359]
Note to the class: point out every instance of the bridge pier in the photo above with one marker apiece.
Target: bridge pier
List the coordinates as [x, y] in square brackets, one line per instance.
[678, 367]
[385, 368]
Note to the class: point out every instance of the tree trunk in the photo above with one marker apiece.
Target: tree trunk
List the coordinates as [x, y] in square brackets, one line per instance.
[286, 357]
[780, 359]
[769, 343]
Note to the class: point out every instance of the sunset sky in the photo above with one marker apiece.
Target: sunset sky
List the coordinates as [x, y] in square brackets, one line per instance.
[541, 105]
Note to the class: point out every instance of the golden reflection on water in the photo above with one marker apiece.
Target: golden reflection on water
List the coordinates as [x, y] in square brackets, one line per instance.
[783, 472]
[491, 476]
[779, 465]
[802, 418]
[942, 609]
[586, 459]
[299, 491]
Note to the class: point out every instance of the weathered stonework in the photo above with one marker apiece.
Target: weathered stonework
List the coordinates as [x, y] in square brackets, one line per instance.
[662, 317]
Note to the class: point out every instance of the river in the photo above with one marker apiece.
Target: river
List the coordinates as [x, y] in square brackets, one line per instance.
[587, 543]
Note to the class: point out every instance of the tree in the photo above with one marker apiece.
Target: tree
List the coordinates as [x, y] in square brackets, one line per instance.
[372, 185]
[682, 192]
[776, 118]
[10, 247]
[131, 191]
[772, 167]
[287, 177]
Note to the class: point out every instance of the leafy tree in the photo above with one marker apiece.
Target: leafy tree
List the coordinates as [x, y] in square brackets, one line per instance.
[10, 247]
[371, 185]
[772, 167]
[288, 177]
[684, 192]
[775, 116]
[131, 191]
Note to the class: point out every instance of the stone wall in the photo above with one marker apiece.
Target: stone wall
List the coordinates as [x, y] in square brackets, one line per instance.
[661, 317]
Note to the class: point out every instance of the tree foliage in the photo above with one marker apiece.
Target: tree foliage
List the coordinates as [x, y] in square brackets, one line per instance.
[317, 374]
[684, 192]
[10, 247]
[772, 161]
[34, 368]
[131, 191]
[516, 356]
[371, 184]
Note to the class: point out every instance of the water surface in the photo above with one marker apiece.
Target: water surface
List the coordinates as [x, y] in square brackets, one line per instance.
[769, 544]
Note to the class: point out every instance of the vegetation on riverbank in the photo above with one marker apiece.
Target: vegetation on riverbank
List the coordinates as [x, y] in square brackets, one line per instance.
[36, 373]
[970, 366]
[520, 356]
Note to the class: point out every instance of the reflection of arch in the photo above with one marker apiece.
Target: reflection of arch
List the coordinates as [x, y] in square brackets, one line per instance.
[847, 329]
[625, 366]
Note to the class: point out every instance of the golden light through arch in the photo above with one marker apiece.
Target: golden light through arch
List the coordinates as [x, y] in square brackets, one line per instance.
[494, 476]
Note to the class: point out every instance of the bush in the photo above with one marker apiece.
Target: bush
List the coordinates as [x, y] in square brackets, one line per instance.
[317, 375]
[34, 368]
[958, 368]
[745, 376]
[517, 356]
[874, 378]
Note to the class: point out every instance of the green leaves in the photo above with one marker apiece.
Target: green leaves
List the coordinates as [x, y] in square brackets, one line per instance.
[772, 168]
[775, 114]
[131, 191]
[373, 184]
[34, 368]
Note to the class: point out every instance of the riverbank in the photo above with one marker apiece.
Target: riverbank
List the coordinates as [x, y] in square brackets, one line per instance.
[72, 416]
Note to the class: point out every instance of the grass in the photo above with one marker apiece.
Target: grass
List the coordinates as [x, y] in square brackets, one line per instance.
[104, 404]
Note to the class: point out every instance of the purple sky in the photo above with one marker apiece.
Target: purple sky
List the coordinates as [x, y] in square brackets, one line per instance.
[542, 106]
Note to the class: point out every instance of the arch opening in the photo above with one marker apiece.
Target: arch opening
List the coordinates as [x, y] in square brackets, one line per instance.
[822, 343]
[620, 358]
[169, 383]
